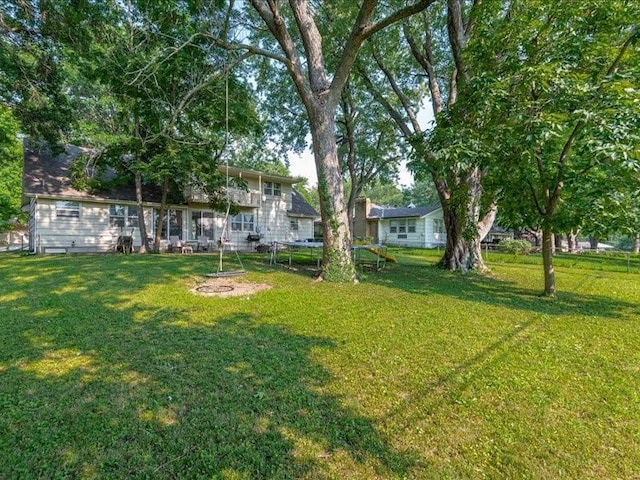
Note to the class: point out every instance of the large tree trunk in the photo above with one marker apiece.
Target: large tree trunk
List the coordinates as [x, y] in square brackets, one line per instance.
[636, 244]
[351, 207]
[593, 242]
[572, 244]
[337, 263]
[557, 242]
[160, 222]
[465, 229]
[144, 241]
[547, 262]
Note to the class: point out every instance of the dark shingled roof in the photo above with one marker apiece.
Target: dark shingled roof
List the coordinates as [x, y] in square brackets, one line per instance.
[299, 206]
[45, 175]
[401, 212]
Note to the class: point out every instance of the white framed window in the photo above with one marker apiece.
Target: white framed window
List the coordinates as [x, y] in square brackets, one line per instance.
[272, 188]
[66, 209]
[123, 216]
[438, 225]
[202, 224]
[172, 219]
[402, 226]
[242, 222]
[247, 222]
[294, 226]
[236, 223]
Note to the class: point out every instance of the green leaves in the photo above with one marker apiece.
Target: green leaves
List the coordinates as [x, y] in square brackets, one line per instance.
[10, 168]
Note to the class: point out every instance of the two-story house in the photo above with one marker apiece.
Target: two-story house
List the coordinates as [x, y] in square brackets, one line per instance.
[63, 219]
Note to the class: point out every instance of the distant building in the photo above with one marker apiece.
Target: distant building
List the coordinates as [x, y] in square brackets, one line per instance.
[421, 227]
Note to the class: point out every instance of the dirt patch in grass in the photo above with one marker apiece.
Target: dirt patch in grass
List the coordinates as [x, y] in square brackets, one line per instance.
[227, 287]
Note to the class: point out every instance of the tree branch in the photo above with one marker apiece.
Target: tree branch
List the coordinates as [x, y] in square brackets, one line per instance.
[381, 99]
[363, 30]
[426, 61]
[566, 149]
[396, 89]
[312, 42]
[270, 14]
[457, 36]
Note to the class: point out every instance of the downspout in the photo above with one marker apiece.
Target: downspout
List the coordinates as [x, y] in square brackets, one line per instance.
[258, 216]
[33, 227]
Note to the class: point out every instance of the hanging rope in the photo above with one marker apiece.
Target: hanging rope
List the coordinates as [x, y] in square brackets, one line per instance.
[225, 227]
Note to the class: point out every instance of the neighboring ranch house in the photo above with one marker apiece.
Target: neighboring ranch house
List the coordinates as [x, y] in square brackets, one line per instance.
[63, 219]
[421, 227]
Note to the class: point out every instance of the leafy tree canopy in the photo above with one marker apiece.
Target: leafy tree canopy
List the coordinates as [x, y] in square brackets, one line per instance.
[10, 168]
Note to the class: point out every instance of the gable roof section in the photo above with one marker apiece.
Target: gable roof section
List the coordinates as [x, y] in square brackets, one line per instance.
[300, 207]
[401, 212]
[49, 176]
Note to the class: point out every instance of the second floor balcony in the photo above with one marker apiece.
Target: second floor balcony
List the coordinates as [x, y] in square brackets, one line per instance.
[238, 197]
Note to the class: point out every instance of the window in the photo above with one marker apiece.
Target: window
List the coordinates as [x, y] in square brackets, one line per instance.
[67, 209]
[175, 223]
[271, 188]
[172, 218]
[236, 223]
[247, 222]
[202, 224]
[123, 216]
[438, 225]
[242, 222]
[293, 225]
[402, 226]
[132, 216]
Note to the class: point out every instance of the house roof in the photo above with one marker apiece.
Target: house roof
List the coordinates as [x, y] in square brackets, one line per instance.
[377, 212]
[265, 177]
[47, 175]
[300, 207]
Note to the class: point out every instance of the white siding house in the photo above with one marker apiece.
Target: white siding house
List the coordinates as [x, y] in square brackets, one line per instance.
[421, 227]
[65, 219]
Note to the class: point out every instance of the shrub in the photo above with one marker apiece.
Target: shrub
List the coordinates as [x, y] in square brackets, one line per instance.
[517, 247]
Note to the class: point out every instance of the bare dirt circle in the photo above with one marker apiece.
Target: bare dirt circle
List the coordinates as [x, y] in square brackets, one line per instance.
[227, 287]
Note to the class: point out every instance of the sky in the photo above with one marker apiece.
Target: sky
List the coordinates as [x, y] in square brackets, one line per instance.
[303, 165]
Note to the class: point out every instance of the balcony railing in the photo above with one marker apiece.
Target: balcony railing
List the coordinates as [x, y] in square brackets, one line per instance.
[239, 197]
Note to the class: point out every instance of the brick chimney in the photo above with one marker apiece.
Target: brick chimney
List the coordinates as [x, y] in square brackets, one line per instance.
[363, 207]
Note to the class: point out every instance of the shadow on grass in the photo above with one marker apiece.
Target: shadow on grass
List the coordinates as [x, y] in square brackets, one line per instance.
[427, 279]
[95, 384]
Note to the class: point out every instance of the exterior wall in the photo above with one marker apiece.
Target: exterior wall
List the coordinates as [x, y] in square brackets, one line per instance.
[304, 232]
[270, 217]
[92, 232]
[424, 236]
[413, 239]
[433, 239]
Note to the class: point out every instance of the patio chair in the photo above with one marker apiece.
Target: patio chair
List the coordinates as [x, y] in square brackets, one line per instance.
[203, 243]
[175, 244]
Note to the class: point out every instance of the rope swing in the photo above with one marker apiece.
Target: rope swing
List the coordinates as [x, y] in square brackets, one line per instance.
[223, 240]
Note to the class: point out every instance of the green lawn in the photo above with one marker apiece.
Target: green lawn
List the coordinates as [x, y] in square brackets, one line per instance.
[111, 368]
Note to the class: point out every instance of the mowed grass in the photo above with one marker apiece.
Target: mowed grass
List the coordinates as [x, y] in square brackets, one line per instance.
[111, 368]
